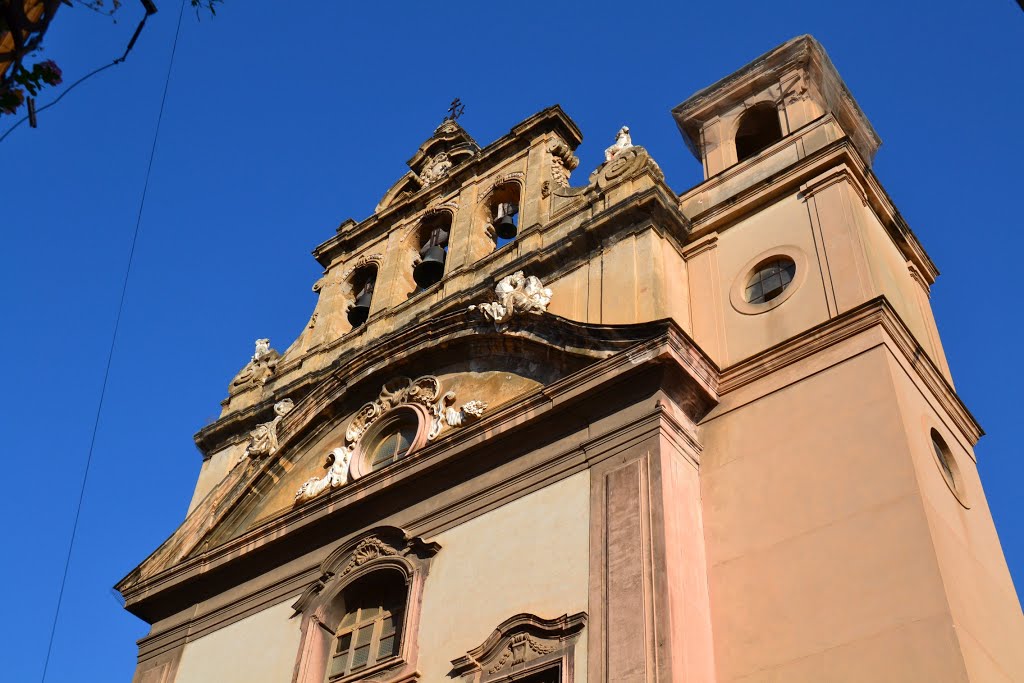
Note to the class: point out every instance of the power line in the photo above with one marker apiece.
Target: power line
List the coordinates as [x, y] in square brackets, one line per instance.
[113, 339]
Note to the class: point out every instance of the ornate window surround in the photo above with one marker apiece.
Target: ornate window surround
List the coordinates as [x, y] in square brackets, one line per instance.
[386, 549]
[521, 646]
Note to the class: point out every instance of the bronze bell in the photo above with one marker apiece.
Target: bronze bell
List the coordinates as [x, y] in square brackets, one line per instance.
[430, 269]
[360, 311]
[505, 228]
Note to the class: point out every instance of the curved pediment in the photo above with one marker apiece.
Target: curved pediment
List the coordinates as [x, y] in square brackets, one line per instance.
[447, 148]
[468, 354]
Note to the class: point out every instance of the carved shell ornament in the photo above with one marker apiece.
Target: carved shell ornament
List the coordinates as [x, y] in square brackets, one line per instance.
[424, 391]
[516, 294]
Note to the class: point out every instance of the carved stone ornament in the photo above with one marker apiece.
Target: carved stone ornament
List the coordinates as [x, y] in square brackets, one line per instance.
[563, 162]
[425, 391]
[522, 644]
[622, 141]
[263, 439]
[516, 294]
[364, 260]
[260, 367]
[435, 168]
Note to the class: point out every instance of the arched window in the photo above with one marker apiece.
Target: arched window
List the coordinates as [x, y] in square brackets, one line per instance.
[363, 282]
[759, 127]
[361, 616]
[370, 631]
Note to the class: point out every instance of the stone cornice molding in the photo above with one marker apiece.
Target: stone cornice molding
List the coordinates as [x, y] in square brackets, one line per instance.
[837, 154]
[801, 54]
[877, 312]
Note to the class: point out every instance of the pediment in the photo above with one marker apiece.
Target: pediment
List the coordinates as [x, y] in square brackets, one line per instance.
[471, 356]
[446, 149]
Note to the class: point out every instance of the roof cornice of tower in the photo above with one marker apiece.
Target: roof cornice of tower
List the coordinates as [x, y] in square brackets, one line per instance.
[802, 53]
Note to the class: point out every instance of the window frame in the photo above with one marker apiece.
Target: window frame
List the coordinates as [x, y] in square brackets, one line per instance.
[744, 276]
[322, 605]
[361, 464]
[376, 624]
[946, 463]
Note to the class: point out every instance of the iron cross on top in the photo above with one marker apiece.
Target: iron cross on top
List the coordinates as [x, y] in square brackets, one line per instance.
[455, 109]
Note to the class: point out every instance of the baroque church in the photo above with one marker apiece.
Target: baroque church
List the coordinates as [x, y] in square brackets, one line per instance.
[547, 428]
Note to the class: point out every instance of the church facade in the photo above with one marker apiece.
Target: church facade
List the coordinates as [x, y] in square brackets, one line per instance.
[546, 429]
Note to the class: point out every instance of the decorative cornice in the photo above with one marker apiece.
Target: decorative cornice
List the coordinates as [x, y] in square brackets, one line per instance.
[519, 639]
[874, 313]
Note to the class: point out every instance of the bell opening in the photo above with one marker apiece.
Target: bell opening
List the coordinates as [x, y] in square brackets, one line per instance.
[362, 283]
[504, 213]
[434, 250]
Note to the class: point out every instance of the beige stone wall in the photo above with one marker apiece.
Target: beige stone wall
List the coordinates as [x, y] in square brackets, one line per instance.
[637, 279]
[985, 609]
[782, 224]
[530, 555]
[890, 275]
[214, 469]
[258, 649]
[820, 551]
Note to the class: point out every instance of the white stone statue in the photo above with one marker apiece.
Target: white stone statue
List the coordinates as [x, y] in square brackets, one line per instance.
[262, 350]
[260, 367]
[516, 293]
[337, 475]
[622, 141]
[263, 439]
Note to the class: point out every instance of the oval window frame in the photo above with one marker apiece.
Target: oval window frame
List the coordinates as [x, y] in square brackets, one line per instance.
[737, 292]
[954, 481]
[364, 447]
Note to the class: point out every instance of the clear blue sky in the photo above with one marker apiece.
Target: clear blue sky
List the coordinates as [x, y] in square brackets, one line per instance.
[283, 119]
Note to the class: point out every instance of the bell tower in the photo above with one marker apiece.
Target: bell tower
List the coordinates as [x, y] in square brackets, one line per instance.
[846, 529]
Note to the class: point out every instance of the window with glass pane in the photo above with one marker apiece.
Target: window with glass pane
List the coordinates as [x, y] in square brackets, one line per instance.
[770, 280]
[370, 631]
[942, 454]
[393, 444]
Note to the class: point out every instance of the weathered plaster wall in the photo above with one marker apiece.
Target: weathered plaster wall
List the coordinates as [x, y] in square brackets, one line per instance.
[530, 555]
[820, 554]
[258, 649]
[214, 470]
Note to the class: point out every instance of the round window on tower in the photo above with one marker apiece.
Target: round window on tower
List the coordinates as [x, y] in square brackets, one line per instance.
[948, 467]
[768, 279]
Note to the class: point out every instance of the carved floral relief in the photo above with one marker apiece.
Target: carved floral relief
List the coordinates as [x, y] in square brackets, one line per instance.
[424, 391]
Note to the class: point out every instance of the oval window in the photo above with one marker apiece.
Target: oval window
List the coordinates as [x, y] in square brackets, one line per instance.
[393, 443]
[770, 279]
